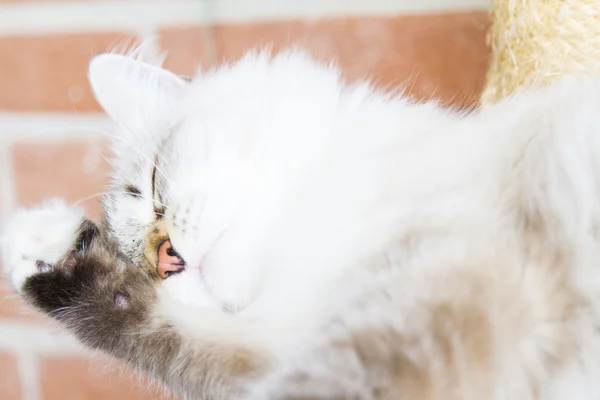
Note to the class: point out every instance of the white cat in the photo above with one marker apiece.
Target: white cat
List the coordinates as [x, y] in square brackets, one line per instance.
[273, 233]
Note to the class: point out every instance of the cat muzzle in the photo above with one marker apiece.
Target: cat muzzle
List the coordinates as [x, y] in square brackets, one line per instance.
[169, 261]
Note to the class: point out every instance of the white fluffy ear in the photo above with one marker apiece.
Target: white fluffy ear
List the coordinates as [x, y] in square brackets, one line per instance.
[131, 91]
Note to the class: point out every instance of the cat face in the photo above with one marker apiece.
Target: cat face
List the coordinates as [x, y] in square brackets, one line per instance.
[213, 165]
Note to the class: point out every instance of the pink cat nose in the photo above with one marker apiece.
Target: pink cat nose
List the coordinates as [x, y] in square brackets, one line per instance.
[169, 262]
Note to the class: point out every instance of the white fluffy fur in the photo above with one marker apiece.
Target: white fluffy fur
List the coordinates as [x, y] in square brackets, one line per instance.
[302, 197]
[42, 233]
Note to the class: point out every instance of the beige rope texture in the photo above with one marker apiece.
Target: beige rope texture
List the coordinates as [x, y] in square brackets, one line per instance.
[533, 41]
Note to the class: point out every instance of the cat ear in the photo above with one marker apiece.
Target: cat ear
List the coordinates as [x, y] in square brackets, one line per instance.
[131, 91]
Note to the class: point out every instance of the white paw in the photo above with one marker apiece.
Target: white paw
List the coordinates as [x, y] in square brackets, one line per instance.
[44, 233]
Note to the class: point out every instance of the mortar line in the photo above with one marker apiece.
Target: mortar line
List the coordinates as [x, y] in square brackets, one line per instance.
[208, 33]
[7, 179]
[105, 15]
[22, 336]
[29, 372]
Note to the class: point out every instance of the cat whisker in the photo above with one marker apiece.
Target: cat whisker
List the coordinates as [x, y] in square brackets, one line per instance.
[101, 153]
[112, 136]
[164, 176]
[148, 331]
[78, 202]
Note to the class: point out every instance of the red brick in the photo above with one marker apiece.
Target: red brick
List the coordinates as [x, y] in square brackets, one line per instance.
[49, 73]
[73, 378]
[10, 382]
[71, 170]
[444, 55]
[185, 49]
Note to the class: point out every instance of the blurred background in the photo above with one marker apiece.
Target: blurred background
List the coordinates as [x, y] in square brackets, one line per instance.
[51, 141]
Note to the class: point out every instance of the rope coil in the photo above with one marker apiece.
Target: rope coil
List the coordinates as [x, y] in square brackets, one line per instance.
[533, 41]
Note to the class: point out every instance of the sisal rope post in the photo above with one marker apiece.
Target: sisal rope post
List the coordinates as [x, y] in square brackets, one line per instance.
[534, 41]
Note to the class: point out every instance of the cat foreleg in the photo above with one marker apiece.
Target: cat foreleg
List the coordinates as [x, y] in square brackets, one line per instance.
[60, 263]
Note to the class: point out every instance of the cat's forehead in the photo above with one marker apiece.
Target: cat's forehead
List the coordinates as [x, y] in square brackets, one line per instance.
[253, 101]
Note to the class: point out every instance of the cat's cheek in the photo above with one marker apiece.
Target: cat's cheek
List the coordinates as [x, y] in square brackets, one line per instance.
[185, 288]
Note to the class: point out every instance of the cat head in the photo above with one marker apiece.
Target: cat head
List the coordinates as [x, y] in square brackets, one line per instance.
[214, 164]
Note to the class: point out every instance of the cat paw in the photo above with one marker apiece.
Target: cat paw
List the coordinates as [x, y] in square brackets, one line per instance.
[34, 239]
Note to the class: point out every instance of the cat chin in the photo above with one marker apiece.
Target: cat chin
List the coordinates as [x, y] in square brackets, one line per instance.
[186, 288]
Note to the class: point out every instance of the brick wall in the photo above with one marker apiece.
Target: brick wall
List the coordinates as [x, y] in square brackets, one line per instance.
[51, 141]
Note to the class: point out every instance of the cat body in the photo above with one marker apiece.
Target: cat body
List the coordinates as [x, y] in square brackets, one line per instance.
[338, 242]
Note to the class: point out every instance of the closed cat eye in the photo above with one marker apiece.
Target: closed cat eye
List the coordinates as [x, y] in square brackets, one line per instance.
[169, 261]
